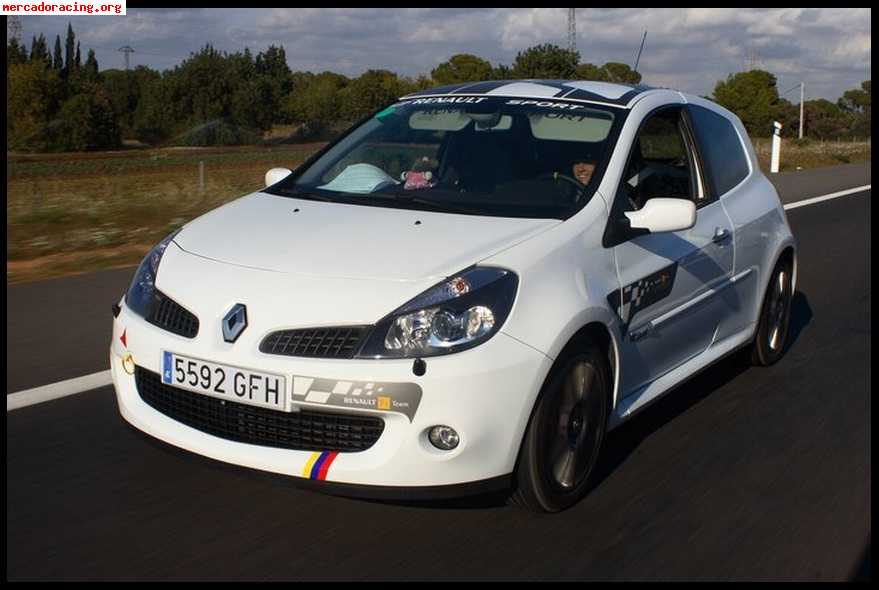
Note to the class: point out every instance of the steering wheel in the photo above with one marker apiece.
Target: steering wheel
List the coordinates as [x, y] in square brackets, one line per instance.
[555, 176]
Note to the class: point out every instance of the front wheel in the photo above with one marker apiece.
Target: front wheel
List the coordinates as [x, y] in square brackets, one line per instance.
[564, 436]
[772, 329]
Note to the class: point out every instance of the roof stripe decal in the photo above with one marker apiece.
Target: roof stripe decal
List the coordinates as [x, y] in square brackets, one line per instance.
[480, 87]
[598, 102]
[605, 93]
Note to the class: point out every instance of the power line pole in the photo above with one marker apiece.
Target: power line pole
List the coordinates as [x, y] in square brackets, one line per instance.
[572, 30]
[802, 86]
[752, 59]
[13, 28]
[127, 50]
[802, 102]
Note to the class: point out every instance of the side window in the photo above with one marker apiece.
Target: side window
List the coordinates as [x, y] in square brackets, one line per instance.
[722, 152]
[659, 164]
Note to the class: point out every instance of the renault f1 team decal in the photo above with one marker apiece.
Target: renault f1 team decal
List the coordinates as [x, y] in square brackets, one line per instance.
[402, 398]
[643, 293]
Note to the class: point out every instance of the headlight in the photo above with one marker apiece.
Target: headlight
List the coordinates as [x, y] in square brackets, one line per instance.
[457, 314]
[141, 293]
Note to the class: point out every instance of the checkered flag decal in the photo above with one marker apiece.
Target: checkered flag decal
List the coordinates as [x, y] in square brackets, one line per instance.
[643, 293]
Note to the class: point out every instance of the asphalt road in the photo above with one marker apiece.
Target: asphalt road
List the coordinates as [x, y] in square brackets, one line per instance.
[742, 473]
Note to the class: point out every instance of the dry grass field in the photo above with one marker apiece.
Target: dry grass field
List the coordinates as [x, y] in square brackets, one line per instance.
[79, 212]
[812, 154]
[70, 213]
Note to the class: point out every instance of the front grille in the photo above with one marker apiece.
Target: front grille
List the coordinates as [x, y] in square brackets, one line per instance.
[170, 315]
[334, 343]
[306, 430]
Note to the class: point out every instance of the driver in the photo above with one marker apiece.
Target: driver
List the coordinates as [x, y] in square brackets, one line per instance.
[583, 171]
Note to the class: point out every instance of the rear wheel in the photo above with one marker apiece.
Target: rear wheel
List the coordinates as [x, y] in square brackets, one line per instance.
[564, 436]
[772, 329]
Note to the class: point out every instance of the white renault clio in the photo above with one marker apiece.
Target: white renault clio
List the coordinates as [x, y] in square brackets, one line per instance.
[464, 292]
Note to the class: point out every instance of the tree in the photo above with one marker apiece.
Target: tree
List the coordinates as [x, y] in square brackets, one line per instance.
[616, 72]
[421, 82]
[587, 71]
[501, 72]
[69, 51]
[78, 63]
[124, 88]
[753, 96]
[369, 92]
[275, 75]
[40, 50]
[621, 73]
[462, 67]
[273, 63]
[58, 61]
[825, 120]
[16, 53]
[154, 117]
[88, 122]
[546, 61]
[91, 63]
[316, 100]
[788, 114]
[33, 90]
[253, 104]
[857, 102]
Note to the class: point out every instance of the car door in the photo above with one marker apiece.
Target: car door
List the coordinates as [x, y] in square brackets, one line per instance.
[667, 303]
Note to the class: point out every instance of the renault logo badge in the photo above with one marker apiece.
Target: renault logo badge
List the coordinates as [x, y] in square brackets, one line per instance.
[234, 322]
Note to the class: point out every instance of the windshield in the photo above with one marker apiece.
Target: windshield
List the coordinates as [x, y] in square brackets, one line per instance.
[476, 155]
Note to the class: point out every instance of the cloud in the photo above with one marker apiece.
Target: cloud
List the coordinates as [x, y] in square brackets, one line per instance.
[689, 49]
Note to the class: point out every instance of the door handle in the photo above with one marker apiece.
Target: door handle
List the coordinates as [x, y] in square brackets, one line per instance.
[721, 234]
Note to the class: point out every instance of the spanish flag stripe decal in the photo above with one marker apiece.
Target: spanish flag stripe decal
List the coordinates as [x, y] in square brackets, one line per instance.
[325, 467]
[318, 465]
[309, 464]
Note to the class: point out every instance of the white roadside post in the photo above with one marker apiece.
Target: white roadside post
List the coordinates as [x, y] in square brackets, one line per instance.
[776, 147]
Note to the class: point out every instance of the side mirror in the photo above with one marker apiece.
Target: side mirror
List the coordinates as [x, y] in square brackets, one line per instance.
[276, 175]
[661, 214]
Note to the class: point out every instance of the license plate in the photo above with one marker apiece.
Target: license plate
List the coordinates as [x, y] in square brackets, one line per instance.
[224, 382]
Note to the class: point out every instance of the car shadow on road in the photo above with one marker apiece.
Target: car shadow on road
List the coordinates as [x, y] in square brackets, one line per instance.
[625, 439]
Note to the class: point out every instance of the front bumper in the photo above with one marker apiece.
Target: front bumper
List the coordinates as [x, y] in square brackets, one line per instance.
[485, 393]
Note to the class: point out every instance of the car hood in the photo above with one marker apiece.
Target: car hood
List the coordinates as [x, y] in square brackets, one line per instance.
[337, 240]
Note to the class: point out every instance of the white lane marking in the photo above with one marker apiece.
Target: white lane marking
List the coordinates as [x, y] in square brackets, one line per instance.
[836, 195]
[44, 393]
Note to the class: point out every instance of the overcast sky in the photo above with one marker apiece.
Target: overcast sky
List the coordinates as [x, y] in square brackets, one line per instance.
[688, 49]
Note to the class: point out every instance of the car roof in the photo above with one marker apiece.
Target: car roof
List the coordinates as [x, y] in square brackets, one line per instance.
[619, 95]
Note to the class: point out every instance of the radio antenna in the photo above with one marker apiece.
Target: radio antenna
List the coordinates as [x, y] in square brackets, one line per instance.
[638, 59]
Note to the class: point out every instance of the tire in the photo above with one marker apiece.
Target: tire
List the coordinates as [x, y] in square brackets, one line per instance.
[564, 436]
[771, 338]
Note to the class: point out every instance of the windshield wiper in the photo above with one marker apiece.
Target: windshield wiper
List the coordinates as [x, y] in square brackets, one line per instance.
[316, 196]
[431, 204]
[390, 198]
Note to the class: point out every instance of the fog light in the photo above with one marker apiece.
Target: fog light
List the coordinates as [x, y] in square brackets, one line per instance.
[128, 363]
[443, 437]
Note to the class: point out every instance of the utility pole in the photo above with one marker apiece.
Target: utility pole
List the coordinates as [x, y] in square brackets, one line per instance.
[127, 50]
[802, 103]
[13, 28]
[572, 30]
[802, 86]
